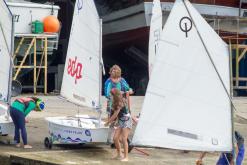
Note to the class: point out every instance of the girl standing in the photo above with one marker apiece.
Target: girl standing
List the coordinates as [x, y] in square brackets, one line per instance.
[123, 123]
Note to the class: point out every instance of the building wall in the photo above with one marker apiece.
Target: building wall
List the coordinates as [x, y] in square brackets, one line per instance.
[232, 3]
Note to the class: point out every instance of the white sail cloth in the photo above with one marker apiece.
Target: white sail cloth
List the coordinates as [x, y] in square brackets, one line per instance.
[186, 105]
[82, 70]
[6, 32]
[154, 33]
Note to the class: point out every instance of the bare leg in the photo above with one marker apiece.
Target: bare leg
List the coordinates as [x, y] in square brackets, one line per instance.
[125, 134]
[199, 161]
[110, 135]
[117, 142]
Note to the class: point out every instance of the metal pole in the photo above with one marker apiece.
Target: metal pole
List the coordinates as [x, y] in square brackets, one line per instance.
[11, 65]
[34, 68]
[230, 63]
[45, 70]
[100, 72]
[240, 6]
[237, 65]
[231, 94]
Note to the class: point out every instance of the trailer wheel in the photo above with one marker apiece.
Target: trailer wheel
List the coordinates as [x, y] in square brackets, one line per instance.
[48, 143]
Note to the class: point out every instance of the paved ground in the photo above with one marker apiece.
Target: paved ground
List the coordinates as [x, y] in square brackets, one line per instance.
[100, 154]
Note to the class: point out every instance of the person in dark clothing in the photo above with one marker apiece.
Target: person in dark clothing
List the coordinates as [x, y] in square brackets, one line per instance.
[19, 109]
[227, 158]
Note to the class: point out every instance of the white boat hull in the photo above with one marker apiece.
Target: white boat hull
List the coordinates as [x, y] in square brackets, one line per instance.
[6, 126]
[76, 130]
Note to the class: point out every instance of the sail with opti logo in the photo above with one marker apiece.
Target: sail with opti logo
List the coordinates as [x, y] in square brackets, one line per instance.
[6, 50]
[81, 74]
[187, 105]
[81, 80]
[154, 33]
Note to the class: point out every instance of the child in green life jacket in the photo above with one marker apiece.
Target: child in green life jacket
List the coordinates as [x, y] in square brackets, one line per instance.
[19, 109]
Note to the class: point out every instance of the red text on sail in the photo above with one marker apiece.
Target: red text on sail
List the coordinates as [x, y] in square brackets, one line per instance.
[75, 69]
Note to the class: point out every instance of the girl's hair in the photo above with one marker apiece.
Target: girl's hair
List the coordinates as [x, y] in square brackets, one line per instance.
[117, 71]
[117, 99]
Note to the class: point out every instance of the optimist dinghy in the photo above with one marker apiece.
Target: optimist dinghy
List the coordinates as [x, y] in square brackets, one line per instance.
[82, 80]
[188, 104]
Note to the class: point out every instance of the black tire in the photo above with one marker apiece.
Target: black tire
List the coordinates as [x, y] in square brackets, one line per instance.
[48, 143]
[113, 145]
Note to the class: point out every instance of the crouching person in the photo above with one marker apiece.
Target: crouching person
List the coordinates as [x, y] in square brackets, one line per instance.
[19, 109]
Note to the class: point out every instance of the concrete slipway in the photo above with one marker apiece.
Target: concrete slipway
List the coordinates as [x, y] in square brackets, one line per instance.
[101, 154]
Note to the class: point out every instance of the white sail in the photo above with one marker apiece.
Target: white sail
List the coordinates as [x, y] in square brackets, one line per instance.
[82, 71]
[186, 105]
[5, 54]
[154, 33]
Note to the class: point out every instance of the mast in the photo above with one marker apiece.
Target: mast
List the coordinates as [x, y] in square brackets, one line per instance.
[101, 69]
[9, 42]
[231, 94]
[11, 64]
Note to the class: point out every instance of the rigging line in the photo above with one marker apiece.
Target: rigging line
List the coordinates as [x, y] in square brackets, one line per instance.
[8, 8]
[211, 60]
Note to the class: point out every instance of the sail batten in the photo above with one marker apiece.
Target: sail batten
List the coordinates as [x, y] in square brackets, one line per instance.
[82, 68]
[186, 106]
[155, 32]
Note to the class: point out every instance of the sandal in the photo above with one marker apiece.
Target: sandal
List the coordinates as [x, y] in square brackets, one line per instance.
[18, 145]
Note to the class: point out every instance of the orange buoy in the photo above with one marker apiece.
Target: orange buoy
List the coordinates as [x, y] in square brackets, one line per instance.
[51, 24]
